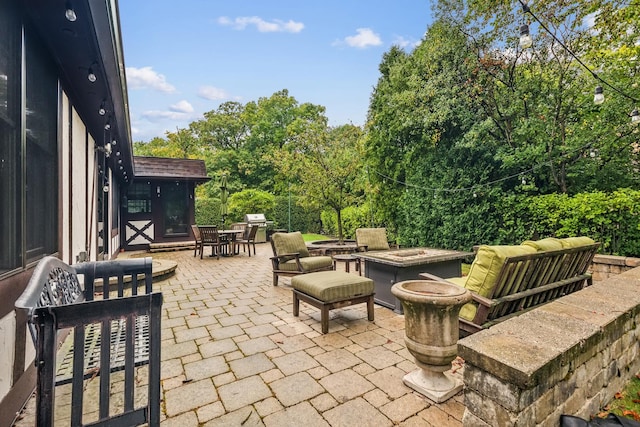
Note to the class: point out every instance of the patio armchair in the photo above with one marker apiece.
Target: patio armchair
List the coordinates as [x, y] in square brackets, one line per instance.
[372, 239]
[198, 239]
[291, 256]
[249, 239]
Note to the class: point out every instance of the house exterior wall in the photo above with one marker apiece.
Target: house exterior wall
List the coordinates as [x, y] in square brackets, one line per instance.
[75, 189]
[77, 169]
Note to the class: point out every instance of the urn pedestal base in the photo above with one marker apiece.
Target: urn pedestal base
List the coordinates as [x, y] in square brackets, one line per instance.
[436, 386]
[431, 323]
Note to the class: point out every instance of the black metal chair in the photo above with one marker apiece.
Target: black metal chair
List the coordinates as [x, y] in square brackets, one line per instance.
[126, 334]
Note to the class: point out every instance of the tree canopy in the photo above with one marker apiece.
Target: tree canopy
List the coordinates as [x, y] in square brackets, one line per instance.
[467, 133]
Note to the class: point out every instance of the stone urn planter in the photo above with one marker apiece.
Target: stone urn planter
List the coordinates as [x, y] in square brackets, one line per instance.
[431, 334]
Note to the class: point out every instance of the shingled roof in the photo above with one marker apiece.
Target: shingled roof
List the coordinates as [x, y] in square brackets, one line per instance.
[166, 168]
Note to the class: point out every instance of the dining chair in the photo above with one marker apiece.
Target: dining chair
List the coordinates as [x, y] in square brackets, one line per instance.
[249, 239]
[210, 237]
[198, 239]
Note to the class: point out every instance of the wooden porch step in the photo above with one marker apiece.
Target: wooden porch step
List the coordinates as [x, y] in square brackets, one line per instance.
[171, 246]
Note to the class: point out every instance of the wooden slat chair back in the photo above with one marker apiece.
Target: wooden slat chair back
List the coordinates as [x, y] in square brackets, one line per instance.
[210, 237]
[249, 239]
[525, 281]
[54, 301]
[198, 239]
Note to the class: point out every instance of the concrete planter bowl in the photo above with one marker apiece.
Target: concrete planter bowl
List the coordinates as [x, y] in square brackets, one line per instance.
[431, 334]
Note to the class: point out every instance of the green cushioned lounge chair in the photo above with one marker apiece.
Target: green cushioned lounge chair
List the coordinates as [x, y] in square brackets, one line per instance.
[291, 256]
[372, 239]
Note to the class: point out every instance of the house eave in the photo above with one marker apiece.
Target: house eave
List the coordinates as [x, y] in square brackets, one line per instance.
[94, 41]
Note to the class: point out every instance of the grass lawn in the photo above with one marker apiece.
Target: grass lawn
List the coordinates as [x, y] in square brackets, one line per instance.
[312, 237]
[626, 403]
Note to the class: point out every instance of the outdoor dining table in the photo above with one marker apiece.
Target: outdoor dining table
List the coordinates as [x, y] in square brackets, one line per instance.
[231, 236]
[228, 236]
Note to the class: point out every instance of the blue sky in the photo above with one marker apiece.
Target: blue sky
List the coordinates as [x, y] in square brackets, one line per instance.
[184, 58]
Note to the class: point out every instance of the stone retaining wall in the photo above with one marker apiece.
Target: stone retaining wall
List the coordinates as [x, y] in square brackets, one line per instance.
[604, 266]
[567, 357]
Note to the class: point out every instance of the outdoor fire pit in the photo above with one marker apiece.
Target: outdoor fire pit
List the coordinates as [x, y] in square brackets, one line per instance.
[389, 267]
[332, 247]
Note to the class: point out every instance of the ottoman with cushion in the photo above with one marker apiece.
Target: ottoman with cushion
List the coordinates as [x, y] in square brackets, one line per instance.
[327, 290]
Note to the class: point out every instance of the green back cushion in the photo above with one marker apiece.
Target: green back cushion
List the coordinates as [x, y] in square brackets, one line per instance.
[468, 311]
[573, 242]
[548, 244]
[289, 243]
[375, 239]
[484, 272]
[487, 264]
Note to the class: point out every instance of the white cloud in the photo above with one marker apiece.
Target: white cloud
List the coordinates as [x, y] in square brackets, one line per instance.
[157, 115]
[402, 42]
[590, 20]
[212, 93]
[365, 38]
[277, 25]
[182, 107]
[147, 78]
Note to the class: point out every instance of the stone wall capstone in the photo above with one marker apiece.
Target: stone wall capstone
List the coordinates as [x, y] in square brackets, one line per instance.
[569, 356]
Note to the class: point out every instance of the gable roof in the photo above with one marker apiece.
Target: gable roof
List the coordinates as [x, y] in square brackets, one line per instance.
[167, 168]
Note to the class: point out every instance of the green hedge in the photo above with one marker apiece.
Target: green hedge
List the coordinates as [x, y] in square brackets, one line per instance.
[305, 220]
[609, 218]
[461, 221]
[207, 211]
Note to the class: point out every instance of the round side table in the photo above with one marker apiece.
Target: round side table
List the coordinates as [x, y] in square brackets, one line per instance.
[347, 259]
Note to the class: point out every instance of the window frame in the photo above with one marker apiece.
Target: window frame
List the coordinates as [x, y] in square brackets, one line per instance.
[31, 210]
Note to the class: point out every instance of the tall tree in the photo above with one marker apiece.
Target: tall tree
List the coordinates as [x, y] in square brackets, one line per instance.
[539, 100]
[326, 168]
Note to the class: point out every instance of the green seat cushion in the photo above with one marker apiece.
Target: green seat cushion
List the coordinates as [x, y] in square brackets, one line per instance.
[574, 242]
[548, 244]
[310, 263]
[289, 243]
[375, 239]
[330, 286]
[487, 265]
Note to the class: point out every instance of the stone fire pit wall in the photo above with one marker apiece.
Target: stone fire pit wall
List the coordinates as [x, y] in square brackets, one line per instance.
[567, 357]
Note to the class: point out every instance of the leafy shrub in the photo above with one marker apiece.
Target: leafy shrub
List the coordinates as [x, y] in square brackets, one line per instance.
[610, 218]
[461, 221]
[250, 202]
[353, 217]
[303, 219]
[207, 211]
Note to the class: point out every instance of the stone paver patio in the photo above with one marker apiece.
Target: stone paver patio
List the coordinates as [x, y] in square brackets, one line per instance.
[234, 355]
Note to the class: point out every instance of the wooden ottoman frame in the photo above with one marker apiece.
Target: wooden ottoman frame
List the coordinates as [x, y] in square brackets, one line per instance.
[326, 306]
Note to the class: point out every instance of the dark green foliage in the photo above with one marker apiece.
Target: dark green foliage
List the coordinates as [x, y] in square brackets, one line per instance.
[352, 217]
[207, 211]
[609, 218]
[303, 219]
[250, 202]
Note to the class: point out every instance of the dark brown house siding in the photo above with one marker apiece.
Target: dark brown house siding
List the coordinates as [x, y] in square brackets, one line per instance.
[159, 206]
